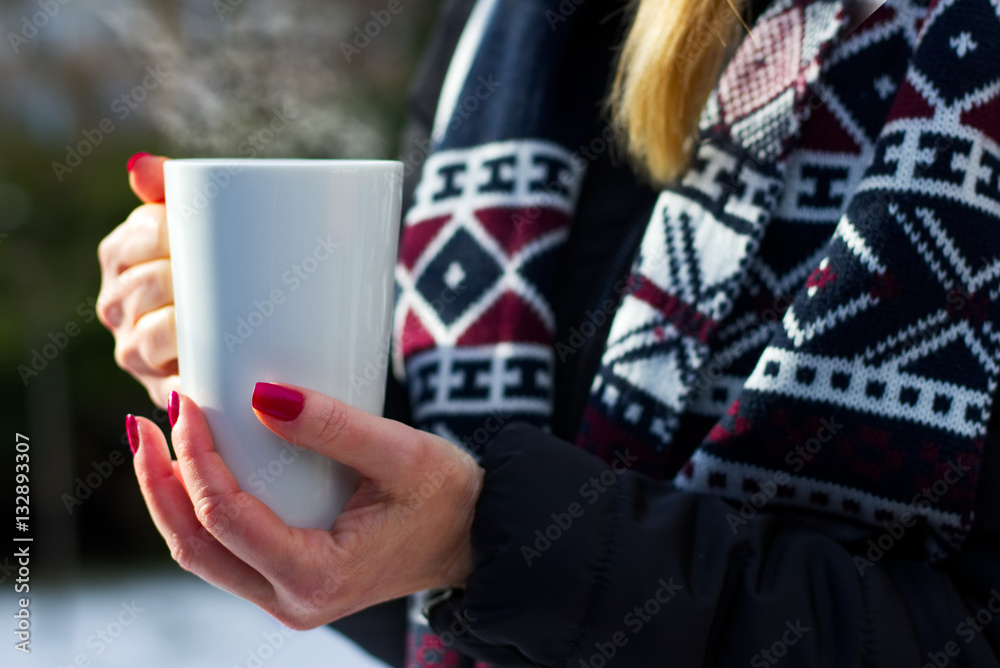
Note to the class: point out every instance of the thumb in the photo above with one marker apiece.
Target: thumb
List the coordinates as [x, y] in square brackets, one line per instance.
[378, 448]
[145, 176]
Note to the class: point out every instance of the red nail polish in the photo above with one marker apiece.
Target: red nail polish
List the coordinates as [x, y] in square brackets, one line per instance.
[173, 407]
[277, 401]
[132, 429]
[135, 158]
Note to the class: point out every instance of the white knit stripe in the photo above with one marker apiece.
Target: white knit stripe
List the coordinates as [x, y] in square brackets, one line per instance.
[971, 282]
[703, 402]
[525, 171]
[855, 396]
[846, 231]
[706, 463]
[800, 332]
[496, 379]
[904, 336]
[911, 160]
[789, 207]
[960, 329]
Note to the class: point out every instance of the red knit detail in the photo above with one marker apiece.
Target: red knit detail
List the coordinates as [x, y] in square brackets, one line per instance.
[417, 237]
[514, 228]
[909, 103]
[985, 118]
[415, 335]
[824, 132]
[508, 319]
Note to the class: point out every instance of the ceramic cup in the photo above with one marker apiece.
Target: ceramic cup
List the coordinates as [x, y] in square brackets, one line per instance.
[283, 272]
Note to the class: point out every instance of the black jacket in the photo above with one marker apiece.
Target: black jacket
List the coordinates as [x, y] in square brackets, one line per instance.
[582, 565]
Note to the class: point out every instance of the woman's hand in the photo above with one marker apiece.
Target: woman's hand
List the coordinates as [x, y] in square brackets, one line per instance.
[393, 538]
[136, 301]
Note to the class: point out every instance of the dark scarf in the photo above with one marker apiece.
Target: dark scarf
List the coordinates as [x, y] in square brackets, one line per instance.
[813, 318]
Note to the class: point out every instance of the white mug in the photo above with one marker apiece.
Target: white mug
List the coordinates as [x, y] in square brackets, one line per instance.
[283, 272]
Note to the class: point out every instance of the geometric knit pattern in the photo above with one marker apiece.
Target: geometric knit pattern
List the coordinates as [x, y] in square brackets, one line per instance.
[870, 398]
[473, 317]
[474, 324]
[704, 240]
[813, 315]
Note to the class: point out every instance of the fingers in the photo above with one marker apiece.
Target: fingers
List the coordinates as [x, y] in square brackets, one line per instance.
[194, 548]
[378, 448]
[156, 338]
[142, 237]
[145, 176]
[160, 388]
[141, 290]
[149, 348]
[237, 519]
[158, 382]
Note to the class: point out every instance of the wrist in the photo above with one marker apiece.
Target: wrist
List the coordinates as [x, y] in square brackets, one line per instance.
[459, 565]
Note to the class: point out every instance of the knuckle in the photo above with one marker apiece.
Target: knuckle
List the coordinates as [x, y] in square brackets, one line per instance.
[125, 353]
[155, 342]
[297, 620]
[333, 423]
[415, 452]
[108, 309]
[309, 609]
[186, 551]
[183, 556]
[147, 282]
[315, 593]
[104, 251]
[213, 511]
[157, 394]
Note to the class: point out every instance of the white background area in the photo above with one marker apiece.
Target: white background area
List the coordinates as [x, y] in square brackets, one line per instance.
[183, 623]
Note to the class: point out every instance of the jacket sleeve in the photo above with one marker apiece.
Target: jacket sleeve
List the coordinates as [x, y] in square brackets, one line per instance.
[577, 564]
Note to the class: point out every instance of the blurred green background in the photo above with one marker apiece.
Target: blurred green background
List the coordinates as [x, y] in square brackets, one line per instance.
[78, 100]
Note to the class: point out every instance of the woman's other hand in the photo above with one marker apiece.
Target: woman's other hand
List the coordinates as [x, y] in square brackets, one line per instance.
[136, 301]
[406, 527]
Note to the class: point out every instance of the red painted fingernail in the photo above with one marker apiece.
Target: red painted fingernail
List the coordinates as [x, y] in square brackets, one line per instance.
[132, 429]
[135, 158]
[173, 407]
[277, 401]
